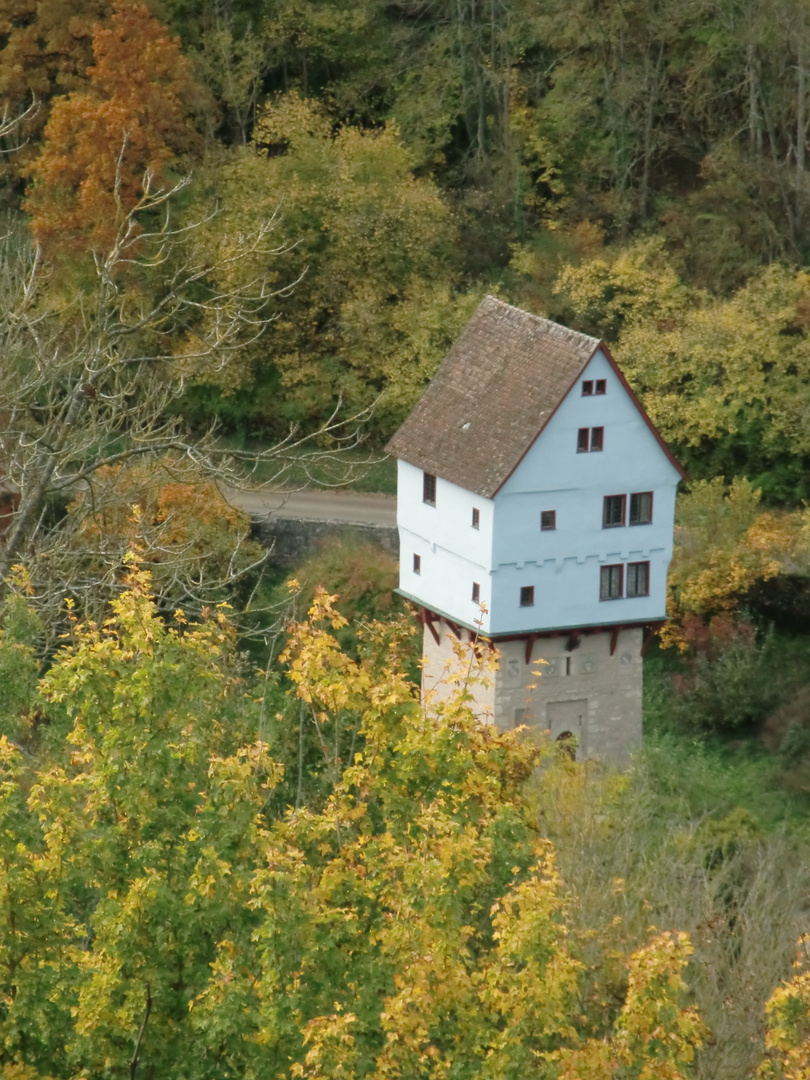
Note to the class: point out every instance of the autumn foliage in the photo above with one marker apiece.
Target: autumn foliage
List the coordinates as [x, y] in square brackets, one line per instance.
[409, 920]
[106, 143]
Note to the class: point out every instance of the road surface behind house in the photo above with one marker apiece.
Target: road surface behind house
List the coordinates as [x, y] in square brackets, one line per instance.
[351, 507]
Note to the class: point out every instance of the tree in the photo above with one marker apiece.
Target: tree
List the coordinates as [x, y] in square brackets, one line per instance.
[725, 544]
[726, 381]
[371, 247]
[133, 121]
[788, 1038]
[409, 920]
[46, 50]
[91, 374]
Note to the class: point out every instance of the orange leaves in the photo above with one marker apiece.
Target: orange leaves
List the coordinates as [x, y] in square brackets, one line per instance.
[131, 122]
[46, 47]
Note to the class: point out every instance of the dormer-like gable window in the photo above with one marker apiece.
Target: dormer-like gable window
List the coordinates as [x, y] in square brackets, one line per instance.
[429, 489]
[589, 387]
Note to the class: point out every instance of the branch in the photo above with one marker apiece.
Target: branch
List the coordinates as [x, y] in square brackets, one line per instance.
[133, 1065]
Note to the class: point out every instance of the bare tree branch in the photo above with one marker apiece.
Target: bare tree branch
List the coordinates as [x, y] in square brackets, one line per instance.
[133, 1065]
[90, 382]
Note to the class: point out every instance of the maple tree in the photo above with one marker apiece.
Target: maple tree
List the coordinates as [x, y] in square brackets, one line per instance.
[107, 143]
[406, 919]
[787, 1040]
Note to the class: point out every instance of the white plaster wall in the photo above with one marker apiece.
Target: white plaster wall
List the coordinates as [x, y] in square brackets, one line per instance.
[563, 565]
[453, 553]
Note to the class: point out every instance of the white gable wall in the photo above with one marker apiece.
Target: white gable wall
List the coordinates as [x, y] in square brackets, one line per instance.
[453, 553]
[564, 565]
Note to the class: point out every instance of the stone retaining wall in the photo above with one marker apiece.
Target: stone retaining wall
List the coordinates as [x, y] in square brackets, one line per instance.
[294, 540]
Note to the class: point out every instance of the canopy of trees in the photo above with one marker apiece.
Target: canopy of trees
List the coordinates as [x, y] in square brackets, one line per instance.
[400, 916]
[419, 154]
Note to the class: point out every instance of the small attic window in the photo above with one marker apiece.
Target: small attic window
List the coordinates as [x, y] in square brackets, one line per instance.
[587, 387]
[601, 386]
[476, 593]
[429, 489]
[476, 518]
[548, 520]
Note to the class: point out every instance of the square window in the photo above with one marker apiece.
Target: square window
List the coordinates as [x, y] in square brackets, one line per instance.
[429, 489]
[601, 386]
[417, 564]
[597, 438]
[527, 596]
[638, 579]
[476, 518]
[641, 508]
[613, 511]
[587, 387]
[611, 580]
[583, 440]
[548, 520]
[476, 593]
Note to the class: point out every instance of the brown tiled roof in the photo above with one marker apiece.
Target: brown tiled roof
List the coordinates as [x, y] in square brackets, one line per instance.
[493, 394]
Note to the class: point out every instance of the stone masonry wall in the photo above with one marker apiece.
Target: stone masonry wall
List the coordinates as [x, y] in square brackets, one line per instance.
[441, 666]
[586, 691]
[586, 686]
[294, 540]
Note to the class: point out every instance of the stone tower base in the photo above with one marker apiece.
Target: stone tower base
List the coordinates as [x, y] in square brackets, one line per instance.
[588, 687]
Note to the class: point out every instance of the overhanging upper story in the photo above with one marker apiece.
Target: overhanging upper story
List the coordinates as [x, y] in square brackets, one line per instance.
[531, 480]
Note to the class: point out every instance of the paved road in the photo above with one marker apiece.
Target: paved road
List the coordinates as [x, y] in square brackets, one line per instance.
[352, 507]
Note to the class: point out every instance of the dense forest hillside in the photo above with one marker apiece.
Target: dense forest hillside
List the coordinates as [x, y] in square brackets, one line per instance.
[635, 169]
[238, 238]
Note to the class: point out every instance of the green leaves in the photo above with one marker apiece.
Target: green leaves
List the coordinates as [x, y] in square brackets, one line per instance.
[407, 923]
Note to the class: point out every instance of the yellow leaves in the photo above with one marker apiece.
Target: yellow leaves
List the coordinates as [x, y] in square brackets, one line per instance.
[787, 1039]
[376, 308]
[729, 375]
[653, 1035]
[724, 544]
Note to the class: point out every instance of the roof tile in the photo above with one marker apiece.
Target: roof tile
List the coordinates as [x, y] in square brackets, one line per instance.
[493, 394]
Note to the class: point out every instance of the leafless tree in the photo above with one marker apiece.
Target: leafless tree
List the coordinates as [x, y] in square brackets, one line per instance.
[91, 375]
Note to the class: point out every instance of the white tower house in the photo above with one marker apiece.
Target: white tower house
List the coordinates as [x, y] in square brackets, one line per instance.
[532, 481]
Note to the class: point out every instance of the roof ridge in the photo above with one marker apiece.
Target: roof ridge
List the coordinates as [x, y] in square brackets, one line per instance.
[553, 327]
[497, 387]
